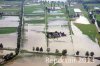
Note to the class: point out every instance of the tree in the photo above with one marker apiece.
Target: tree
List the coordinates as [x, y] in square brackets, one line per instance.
[41, 49]
[98, 65]
[64, 52]
[48, 49]
[1, 45]
[91, 54]
[69, 2]
[33, 48]
[87, 54]
[57, 51]
[16, 51]
[37, 48]
[77, 53]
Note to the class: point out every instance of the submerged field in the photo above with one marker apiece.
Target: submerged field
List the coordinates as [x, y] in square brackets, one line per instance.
[37, 22]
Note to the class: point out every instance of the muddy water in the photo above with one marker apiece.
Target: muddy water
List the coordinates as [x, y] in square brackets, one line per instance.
[29, 60]
[9, 21]
[38, 11]
[56, 13]
[9, 40]
[82, 20]
[33, 18]
[36, 38]
[43, 60]
[63, 42]
[57, 22]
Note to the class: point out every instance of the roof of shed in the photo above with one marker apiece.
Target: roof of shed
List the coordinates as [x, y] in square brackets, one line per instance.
[77, 10]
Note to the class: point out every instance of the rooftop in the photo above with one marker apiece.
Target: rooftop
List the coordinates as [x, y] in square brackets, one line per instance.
[77, 10]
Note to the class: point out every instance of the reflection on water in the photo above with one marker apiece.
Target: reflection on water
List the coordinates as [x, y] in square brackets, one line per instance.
[44, 60]
[29, 60]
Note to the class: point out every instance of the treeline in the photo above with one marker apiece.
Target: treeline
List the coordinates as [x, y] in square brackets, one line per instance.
[12, 0]
[92, 1]
[86, 1]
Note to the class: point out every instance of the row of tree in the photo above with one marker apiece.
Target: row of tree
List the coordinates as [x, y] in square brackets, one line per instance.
[64, 52]
[19, 38]
[38, 49]
[91, 1]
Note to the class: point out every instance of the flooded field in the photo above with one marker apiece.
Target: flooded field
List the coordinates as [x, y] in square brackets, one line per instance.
[9, 40]
[29, 60]
[85, 44]
[35, 36]
[9, 21]
[62, 42]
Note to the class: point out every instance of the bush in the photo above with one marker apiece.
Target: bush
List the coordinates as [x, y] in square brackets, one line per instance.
[33, 48]
[57, 51]
[87, 54]
[64, 52]
[77, 53]
[41, 49]
[37, 48]
[48, 49]
[98, 65]
[91, 53]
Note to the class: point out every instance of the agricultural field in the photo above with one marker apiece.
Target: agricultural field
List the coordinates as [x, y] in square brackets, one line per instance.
[32, 31]
[7, 30]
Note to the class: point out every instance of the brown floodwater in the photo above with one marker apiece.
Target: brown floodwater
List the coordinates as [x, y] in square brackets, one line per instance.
[35, 37]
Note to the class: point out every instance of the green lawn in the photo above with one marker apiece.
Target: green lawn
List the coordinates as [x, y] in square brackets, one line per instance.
[7, 30]
[98, 17]
[89, 30]
[93, 5]
[30, 9]
[86, 0]
[10, 10]
[35, 21]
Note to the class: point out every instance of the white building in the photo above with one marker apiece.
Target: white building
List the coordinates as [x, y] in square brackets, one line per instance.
[77, 11]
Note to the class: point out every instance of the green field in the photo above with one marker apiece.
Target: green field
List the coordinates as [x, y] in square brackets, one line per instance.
[34, 8]
[35, 21]
[89, 30]
[8, 10]
[30, 9]
[7, 30]
[93, 5]
[98, 17]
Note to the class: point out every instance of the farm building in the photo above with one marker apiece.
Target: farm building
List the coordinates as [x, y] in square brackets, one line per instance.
[78, 12]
